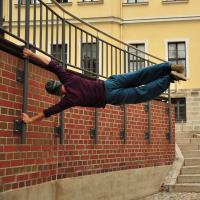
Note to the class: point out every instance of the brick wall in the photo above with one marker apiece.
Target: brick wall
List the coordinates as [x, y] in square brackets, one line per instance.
[43, 159]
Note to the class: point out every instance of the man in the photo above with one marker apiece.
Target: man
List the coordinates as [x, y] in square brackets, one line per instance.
[134, 87]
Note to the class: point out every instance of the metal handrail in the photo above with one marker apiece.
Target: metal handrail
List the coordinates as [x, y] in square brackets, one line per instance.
[102, 32]
[118, 59]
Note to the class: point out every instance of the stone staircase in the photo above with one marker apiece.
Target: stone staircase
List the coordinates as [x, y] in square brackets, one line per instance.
[189, 178]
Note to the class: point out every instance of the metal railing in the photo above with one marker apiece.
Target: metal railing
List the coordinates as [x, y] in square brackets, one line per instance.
[76, 44]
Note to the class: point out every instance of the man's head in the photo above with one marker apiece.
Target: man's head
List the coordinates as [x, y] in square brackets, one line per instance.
[54, 87]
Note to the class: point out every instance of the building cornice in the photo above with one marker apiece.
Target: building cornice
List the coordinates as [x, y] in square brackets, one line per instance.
[117, 20]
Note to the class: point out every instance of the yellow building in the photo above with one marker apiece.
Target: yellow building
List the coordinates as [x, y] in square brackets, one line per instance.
[167, 29]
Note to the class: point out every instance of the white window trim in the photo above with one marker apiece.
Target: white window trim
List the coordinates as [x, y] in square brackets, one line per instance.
[186, 40]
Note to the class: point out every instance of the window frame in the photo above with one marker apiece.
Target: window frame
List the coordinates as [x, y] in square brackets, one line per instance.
[59, 45]
[90, 59]
[178, 105]
[187, 67]
[135, 44]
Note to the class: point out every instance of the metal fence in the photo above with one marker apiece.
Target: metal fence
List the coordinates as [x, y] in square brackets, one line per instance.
[76, 44]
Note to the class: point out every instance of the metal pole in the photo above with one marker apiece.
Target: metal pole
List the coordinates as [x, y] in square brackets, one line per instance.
[26, 71]
[170, 117]
[64, 64]
[1, 13]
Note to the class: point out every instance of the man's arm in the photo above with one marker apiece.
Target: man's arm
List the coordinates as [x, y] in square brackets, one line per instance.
[26, 119]
[44, 60]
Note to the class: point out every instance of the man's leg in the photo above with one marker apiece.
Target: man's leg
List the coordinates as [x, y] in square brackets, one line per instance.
[141, 77]
[144, 93]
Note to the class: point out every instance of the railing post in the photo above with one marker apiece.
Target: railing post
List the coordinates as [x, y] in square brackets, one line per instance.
[1, 18]
[1, 13]
[169, 135]
[148, 111]
[64, 62]
[123, 133]
[94, 131]
[26, 71]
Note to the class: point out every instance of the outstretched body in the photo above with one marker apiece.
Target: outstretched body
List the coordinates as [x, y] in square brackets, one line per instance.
[130, 88]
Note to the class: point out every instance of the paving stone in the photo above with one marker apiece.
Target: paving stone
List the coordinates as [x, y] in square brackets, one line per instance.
[173, 196]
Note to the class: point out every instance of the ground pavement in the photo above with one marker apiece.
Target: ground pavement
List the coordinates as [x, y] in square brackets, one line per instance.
[173, 196]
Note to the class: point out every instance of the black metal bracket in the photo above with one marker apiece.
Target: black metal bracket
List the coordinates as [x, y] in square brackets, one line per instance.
[18, 126]
[146, 108]
[122, 132]
[168, 135]
[147, 136]
[20, 75]
[93, 134]
[57, 131]
[123, 135]
[167, 110]
[94, 131]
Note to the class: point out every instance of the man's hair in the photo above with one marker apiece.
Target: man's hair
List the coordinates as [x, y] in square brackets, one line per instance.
[53, 87]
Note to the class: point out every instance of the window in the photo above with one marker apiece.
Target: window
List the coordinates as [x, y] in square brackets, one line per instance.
[174, 1]
[177, 53]
[89, 57]
[180, 109]
[90, 0]
[136, 61]
[136, 1]
[56, 51]
[62, 1]
[31, 1]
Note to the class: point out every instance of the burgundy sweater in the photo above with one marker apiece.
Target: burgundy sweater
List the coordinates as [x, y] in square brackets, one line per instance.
[80, 91]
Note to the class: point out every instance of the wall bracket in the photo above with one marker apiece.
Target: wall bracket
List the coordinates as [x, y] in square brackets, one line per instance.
[20, 75]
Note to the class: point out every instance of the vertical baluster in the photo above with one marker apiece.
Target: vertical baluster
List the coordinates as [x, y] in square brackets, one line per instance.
[57, 32]
[91, 55]
[81, 64]
[116, 60]
[10, 16]
[106, 59]
[34, 23]
[102, 57]
[70, 46]
[1, 14]
[120, 60]
[40, 26]
[46, 39]
[125, 67]
[52, 31]
[75, 48]
[111, 52]
[19, 18]
[86, 66]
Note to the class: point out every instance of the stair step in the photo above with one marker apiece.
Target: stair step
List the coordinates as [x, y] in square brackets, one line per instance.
[192, 161]
[187, 187]
[191, 154]
[184, 134]
[188, 147]
[195, 140]
[183, 140]
[190, 178]
[196, 135]
[190, 170]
